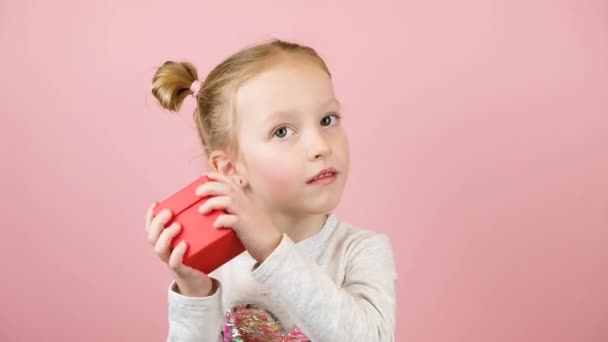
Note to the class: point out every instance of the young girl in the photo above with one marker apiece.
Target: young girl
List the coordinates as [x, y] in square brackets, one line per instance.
[270, 124]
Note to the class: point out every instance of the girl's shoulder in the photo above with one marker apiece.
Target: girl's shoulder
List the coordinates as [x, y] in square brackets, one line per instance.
[358, 236]
[363, 251]
[357, 245]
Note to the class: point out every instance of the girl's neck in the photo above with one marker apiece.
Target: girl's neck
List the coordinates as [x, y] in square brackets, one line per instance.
[299, 228]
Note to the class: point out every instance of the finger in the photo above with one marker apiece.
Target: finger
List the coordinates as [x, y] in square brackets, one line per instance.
[212, 189]
[176, 258]
[226, 221]
[222, 178]
[157, 225]
[217, 176]
[164, 241]
[149, 216]
[215, 203]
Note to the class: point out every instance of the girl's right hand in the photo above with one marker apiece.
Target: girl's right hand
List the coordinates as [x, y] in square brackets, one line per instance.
[190, 282]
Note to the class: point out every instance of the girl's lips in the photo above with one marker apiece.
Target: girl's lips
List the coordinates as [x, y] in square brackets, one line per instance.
[325, 176]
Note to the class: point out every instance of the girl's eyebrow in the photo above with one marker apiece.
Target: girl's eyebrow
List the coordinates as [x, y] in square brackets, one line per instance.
[286, 114]
[281, 114]
[331, 101]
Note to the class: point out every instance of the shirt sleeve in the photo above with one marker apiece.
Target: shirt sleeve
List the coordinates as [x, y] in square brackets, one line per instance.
[195, 319]
[363, 308]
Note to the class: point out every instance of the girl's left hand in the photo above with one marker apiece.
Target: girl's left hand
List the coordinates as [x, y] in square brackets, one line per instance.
[250, 223]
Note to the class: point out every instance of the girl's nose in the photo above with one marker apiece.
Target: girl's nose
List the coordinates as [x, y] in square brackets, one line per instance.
[319, 148]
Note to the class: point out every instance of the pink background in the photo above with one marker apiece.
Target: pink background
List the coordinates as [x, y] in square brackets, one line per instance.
[487, 119]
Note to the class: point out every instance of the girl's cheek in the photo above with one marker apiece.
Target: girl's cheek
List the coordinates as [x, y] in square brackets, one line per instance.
[280, 177]
[280, 174]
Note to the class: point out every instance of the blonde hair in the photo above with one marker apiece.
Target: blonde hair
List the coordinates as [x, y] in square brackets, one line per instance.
[214, 114]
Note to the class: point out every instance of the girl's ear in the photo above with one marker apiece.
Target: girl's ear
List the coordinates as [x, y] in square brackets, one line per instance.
[222, 163]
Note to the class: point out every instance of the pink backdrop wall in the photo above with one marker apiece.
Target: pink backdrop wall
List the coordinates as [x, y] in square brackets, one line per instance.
[489, 119]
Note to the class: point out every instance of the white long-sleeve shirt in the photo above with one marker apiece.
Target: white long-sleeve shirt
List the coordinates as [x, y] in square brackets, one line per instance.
[338, 285]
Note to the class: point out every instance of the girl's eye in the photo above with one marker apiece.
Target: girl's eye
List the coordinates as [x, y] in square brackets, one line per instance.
[282, 132]
[330, 120]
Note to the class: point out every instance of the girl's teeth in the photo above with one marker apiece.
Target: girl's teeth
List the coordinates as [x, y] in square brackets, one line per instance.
[323, 175]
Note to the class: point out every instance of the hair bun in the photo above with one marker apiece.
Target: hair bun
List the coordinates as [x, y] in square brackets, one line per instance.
[172, 83]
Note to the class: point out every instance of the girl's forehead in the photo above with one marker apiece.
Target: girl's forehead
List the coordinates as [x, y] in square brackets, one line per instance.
[285, 87]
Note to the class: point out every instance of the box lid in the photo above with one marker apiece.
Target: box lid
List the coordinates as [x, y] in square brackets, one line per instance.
[182, 199]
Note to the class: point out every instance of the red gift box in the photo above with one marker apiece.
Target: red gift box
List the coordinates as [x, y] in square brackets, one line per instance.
[208, 247]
